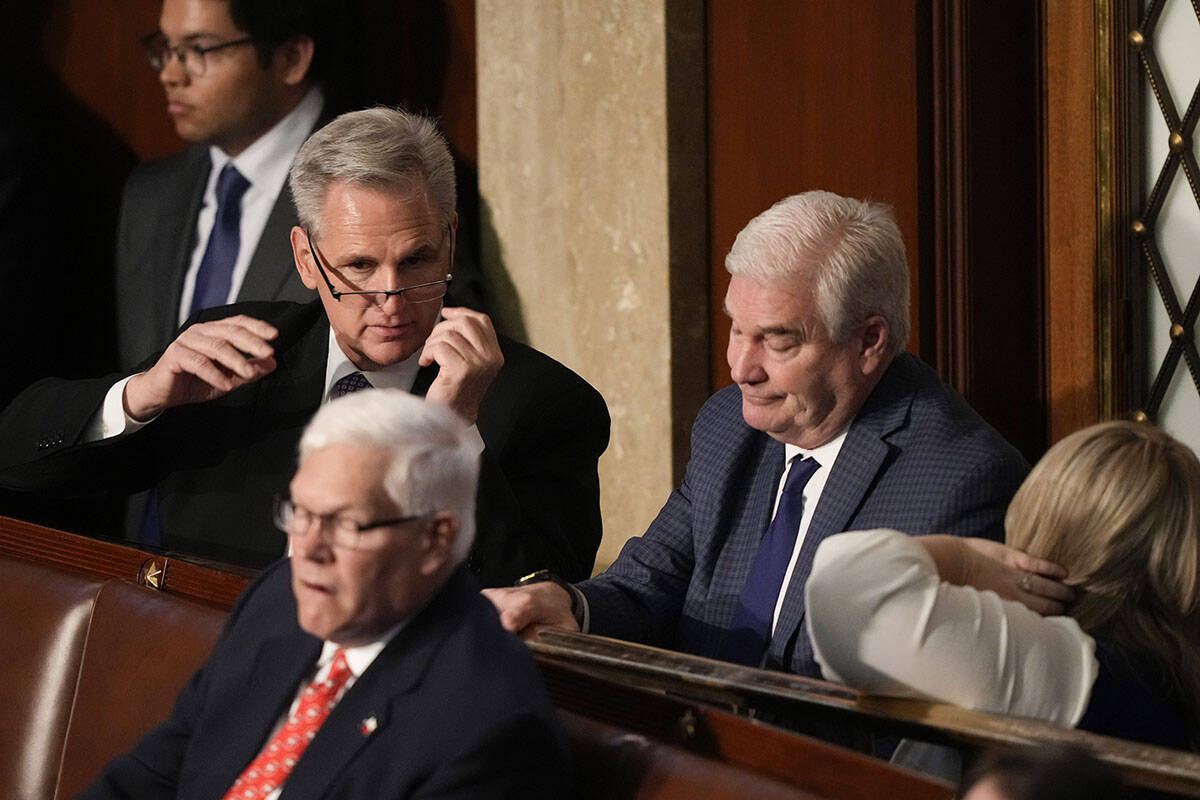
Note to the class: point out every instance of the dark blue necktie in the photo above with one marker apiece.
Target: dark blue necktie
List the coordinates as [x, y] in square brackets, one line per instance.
[215, 275]
[750, 628]
[354, 382]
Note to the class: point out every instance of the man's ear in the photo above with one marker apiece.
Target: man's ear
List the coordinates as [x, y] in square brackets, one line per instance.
[443, 533]
[293, 59]
[873, 344]
[304, 258]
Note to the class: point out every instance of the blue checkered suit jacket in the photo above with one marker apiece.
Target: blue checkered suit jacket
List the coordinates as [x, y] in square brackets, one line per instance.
[916, 458]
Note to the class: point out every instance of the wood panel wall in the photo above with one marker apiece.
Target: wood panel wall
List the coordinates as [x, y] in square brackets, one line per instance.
[931, 107]
[809, 95]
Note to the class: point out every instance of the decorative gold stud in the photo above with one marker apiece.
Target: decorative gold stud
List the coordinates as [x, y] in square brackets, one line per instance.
[152, 573]
[1136, 40]
[1140, 416]
[1177, 331]
[1177, 143]
[1138, 227]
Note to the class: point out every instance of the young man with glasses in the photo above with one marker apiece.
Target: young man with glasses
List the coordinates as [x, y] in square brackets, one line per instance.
[366, 665]
[212, 422]
[209, 226]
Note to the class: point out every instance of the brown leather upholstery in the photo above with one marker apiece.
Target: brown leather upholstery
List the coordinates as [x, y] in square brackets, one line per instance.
[43, 628]
[614, 764]
[142, 646]
[89, 665]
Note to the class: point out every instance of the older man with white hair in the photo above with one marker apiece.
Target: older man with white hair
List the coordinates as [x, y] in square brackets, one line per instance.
[366, 665]
[831, 426]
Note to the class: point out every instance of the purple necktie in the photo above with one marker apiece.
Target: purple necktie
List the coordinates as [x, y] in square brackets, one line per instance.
[354, 382]
[215, 275]
[750, 629]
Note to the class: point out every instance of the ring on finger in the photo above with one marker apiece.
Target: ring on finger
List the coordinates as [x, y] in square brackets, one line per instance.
[1026, 583]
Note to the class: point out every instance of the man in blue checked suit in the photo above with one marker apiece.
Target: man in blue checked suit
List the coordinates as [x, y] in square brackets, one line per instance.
[818, 300]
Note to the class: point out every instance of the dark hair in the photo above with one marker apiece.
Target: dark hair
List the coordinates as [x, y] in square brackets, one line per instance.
[271, 23]
[1048, 773]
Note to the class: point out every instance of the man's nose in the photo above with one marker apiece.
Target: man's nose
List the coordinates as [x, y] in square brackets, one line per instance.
[173, 72]
[745, 365]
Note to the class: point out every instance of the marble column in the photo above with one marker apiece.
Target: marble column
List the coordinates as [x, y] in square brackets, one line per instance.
[592, 178]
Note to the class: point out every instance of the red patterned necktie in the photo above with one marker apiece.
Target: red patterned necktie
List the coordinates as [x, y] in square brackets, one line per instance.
[271, 767]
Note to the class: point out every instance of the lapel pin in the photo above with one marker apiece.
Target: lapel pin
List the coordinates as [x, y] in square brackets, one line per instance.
[369, 725]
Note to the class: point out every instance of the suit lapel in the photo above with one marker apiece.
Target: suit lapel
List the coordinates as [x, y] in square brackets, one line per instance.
[276, 671]
[297, 386]
[272, 264]
[864, 454]
[734, 561]
[370, 705]
[175, 240]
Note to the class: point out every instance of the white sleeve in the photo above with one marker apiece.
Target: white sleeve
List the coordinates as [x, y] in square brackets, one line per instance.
[881, 621]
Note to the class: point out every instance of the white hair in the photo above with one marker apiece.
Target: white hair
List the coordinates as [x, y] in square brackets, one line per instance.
[434, 461]
[848, 250]
[386, 149]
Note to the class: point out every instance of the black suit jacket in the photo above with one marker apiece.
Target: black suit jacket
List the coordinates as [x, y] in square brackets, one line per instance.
[155, 240]
[458, 707]
[215, 466]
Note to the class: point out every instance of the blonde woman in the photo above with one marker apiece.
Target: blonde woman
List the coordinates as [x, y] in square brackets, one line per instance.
[1117, 505]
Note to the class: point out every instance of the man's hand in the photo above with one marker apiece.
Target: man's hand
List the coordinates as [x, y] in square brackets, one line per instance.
[468, 356]
[525, 610]
[206, 361]
[1010, 573]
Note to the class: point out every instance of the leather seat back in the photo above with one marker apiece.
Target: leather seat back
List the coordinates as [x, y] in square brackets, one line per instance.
[43, 628]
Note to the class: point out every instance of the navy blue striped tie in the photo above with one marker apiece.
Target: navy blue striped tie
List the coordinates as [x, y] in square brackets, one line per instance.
[750, 629]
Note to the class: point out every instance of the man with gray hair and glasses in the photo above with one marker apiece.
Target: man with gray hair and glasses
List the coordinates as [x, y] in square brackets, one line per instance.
[211, 423]
[366, 665]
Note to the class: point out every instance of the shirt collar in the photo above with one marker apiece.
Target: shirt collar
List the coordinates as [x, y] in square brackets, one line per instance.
[360, 657]
[265, 163]
[397, 376]
[825, 454]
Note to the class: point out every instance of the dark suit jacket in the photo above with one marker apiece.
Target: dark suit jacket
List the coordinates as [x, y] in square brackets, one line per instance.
[155, 241]
[459, 707]
[216, 465]
[916, 458]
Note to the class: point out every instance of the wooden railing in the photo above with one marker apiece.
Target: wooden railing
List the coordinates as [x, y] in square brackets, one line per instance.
[775, 694]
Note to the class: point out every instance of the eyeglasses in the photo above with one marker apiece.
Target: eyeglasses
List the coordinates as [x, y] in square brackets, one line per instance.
[192, 56]
[337, 530]
[417, 293]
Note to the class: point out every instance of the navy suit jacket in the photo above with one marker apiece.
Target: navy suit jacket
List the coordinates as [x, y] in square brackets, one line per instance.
[458, 705]
[155, 241]
[917, 458]
[215, 466]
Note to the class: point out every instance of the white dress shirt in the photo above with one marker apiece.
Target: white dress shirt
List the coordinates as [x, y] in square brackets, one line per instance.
[882, 621]
[265, 164]
[825, 455]
[357, 659]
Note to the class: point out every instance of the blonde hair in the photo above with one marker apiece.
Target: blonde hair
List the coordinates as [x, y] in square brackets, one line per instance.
[1118, 505]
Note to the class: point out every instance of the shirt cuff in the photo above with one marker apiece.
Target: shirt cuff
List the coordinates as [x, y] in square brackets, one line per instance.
[112, 420]
[585, 613]
[477, 439]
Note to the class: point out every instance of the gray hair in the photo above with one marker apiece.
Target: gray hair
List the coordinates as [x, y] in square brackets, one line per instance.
[849, 250]
[380, 148]
[434, 460]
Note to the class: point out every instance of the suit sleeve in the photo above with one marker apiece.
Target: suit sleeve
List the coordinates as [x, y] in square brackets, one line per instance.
[538, 504]
[641, 596]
